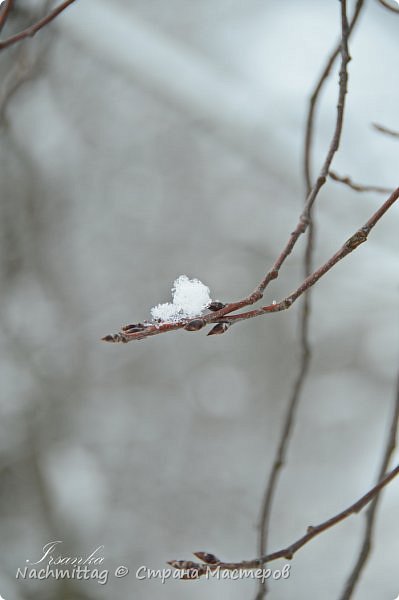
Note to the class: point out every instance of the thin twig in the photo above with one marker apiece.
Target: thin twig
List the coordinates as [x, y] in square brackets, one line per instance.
[195, 570]
[315, 96]
[33, 29]
[372, 510]
[388, 6]
[359, 187]
[386, 130]
[320, 181]
[5, 12]
[141, 331]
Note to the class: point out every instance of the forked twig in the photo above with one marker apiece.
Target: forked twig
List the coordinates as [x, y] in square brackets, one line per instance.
[301, 227]
[195, 570]
[140, 331]
[33, 29]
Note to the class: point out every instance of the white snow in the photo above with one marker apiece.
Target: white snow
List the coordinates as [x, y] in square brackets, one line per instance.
[190, 299]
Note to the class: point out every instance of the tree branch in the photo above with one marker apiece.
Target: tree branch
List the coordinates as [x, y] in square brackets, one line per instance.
[140, 331]
[195, 570]
[385, 130]
[359, 187]
[372, 510]
[33, 29]
[315, 97]
[388, 6]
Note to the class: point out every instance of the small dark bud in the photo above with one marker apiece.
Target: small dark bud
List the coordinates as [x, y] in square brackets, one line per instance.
[182, 564]
[108, 338]
[209, 559]
[310, 529]
[195, 325]
[219, 329]
[215, 305]
[133, 327]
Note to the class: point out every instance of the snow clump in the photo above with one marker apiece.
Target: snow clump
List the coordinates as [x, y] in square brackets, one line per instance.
[190, 299]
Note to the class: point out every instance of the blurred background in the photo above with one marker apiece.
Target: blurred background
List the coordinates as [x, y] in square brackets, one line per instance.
[141, 141]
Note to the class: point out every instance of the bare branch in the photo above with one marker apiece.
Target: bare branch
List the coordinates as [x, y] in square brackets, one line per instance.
[303, 222]
[33, 29]
[196, 570]
[372, 510]
[359, 187]
[383, 129]
[388, 6]
[315, 96]
[305, 216]
[5, 12]
[142, 330]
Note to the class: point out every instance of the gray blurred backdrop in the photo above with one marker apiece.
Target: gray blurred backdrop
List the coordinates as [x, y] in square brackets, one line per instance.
[141, 141]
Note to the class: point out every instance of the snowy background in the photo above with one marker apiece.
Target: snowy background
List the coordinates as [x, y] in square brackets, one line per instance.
[155, 139]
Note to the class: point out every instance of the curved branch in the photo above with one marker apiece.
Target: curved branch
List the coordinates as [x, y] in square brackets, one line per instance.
[386, 130]
[388, 6]
[33, 29]
[195, 570]
[372, 510]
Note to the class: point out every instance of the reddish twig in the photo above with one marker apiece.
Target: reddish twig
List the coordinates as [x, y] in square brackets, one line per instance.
[5, 12]
[386, 130]
[372, 510]
[142, 330]
[301, 227]
[195, 570]
[359, 187]
[388, 6]
[33, 29]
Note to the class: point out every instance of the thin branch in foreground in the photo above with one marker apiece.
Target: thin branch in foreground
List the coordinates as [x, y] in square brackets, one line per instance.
[33, 29]
[359, 187]
[372, 510]
[5, 12]
[386, 130]
[388, 6]
[257, 294]
[195, 570]
[140, 331]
